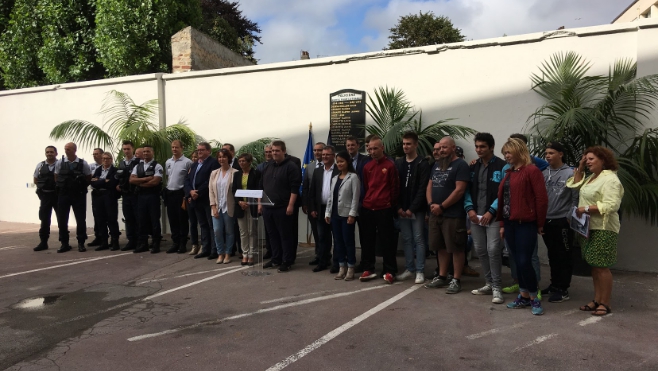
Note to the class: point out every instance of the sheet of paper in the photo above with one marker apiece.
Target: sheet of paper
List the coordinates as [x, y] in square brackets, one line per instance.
[251, 193]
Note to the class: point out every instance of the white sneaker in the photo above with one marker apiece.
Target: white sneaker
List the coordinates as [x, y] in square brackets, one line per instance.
[404, 276]
[497, 297]
[484, 290]
[420, 277]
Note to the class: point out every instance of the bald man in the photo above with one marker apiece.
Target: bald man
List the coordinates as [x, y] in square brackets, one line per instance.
[447, 225]
[72, 176]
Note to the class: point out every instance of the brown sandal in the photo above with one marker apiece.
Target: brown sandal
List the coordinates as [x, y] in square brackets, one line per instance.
[601, 311]
[588, 308]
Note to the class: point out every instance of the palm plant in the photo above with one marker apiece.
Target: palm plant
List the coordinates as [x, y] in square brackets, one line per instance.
[394, 115]
[583, 111]
[125, 120]
[255, 149]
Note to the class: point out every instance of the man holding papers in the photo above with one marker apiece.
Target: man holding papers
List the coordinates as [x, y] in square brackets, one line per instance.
[481, 204]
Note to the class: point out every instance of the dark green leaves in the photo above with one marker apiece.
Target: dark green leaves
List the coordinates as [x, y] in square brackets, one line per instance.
[423, 29]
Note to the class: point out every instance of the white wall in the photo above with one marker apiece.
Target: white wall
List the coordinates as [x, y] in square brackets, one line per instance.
[484, 84]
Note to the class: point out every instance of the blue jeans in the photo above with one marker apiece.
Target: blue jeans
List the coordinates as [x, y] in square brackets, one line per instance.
[344, 246]
[535, 263]
[224, 223]
[522, 241]
[414, 242]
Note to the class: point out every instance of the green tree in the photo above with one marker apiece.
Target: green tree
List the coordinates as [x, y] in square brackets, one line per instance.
[423, 29]
[223, 21]
[583, 110]
[394, 115]
[134, 36]
[19, 45]
[68, 53]
[255, 149]
[126, 120]
[5, 10]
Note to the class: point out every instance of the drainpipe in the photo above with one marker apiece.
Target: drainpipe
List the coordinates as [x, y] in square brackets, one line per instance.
[162, 121]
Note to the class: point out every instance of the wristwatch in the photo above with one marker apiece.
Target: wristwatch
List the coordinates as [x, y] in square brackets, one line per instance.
[587, 209]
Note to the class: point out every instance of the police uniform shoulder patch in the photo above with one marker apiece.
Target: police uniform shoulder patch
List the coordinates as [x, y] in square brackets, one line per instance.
[159, 171]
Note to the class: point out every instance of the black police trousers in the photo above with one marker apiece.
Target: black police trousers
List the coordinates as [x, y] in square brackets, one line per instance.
[106, 216]
[178, 219]
[48, 204]
[77, 202]
[149, 216]
[130, 207]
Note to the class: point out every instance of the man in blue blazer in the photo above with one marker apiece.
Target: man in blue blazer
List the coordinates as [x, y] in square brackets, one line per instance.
[196, 191]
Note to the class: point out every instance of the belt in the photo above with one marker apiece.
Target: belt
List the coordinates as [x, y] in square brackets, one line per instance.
[175, 191]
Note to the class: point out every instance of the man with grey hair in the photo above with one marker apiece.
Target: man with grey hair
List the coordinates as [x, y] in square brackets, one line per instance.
[447, 225]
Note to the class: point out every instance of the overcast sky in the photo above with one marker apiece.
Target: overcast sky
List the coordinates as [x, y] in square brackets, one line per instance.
[336, 27]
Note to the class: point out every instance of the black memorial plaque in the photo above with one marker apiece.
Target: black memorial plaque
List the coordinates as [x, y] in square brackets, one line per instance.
[347, 110]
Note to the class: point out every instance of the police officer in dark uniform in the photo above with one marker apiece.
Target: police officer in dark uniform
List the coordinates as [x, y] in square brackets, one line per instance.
[72, 176]
[44, 178]
[105, 196]
[147, 176]
[128, 194]
[98, 155]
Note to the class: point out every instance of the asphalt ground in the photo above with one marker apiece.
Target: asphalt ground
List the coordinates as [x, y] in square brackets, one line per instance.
[124, 311]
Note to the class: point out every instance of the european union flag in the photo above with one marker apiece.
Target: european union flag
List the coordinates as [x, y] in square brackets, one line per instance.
[308, 156]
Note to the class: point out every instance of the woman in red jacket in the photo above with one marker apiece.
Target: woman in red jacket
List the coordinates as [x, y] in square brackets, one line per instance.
[522, 213]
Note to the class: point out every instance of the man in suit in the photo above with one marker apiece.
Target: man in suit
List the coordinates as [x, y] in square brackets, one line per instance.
[319, 196]
[358, 160]
[306, 188]
[234, 162]
[196, 191]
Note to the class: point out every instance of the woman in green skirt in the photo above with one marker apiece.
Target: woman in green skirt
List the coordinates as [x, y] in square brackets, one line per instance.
[600, 197]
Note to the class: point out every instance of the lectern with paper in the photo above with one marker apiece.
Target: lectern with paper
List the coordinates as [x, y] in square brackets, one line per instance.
[254, 197]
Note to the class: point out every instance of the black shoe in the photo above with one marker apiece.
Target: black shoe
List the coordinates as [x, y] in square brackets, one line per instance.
[42, 246]
[81, 247]
[115, 244]
[213, 256]
[268, 255]
[155, 250]
[202, 255]
[182, 249]
[549, 290]
[141, 248]
[334, 269]
[95, 242]
[129, 246]
[285, 267]
[172, 249]
[315, 261]
[103, 246]
[319, 268]
[267, 265]
[64, 248]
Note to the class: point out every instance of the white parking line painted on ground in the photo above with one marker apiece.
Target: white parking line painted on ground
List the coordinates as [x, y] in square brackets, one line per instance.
[63, 265]
[283, 306]
[339, 330]
[592, 320]
[538, 340]
[12, 247]
[20, 230]
[296, 296]
[192, 283]
[496, 330]
[184, 275]
[516, 325]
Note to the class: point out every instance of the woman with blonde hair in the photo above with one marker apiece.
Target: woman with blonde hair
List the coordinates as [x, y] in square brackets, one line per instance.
[222, 205]
[522, 207]
[600, 196]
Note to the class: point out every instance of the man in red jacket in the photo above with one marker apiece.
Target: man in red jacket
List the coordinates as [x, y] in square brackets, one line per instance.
[380, 182]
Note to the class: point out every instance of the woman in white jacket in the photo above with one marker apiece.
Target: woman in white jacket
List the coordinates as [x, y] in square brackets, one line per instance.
[342, 210]
[222, 205]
